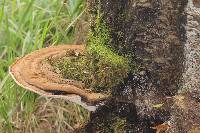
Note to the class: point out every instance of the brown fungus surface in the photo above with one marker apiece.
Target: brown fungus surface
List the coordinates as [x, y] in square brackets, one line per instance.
[34, 73]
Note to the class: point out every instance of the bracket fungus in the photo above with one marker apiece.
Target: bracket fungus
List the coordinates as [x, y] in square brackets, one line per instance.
[34, 73]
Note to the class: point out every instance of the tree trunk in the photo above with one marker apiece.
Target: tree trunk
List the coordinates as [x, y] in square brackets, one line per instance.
[152, 34]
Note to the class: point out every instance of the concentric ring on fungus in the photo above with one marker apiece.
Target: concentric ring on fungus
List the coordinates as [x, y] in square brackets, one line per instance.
[34, 73]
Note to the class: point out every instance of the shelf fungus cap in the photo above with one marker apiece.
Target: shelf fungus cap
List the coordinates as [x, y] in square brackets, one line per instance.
[34, 73]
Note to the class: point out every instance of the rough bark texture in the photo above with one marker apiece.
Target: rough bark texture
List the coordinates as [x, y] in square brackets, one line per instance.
[186, 115]
[191, 74]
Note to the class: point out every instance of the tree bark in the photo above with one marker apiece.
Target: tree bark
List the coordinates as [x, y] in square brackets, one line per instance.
[153, 33]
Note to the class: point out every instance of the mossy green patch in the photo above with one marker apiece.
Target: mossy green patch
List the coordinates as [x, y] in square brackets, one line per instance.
[101, 68]
[119, 125]
[99, 72]
[113, 124]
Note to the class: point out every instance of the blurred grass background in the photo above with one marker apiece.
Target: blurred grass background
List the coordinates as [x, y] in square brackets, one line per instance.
[27, 25]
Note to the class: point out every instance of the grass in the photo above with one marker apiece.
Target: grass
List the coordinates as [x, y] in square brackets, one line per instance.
[27, 25]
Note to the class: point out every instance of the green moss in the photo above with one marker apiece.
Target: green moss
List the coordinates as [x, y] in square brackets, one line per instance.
[100, 72]
[110, 68]
[99, 32]
[119, 125]
[113, 124]
[101, 68]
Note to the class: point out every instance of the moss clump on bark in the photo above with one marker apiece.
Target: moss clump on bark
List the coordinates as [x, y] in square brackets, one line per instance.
[101, 68]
